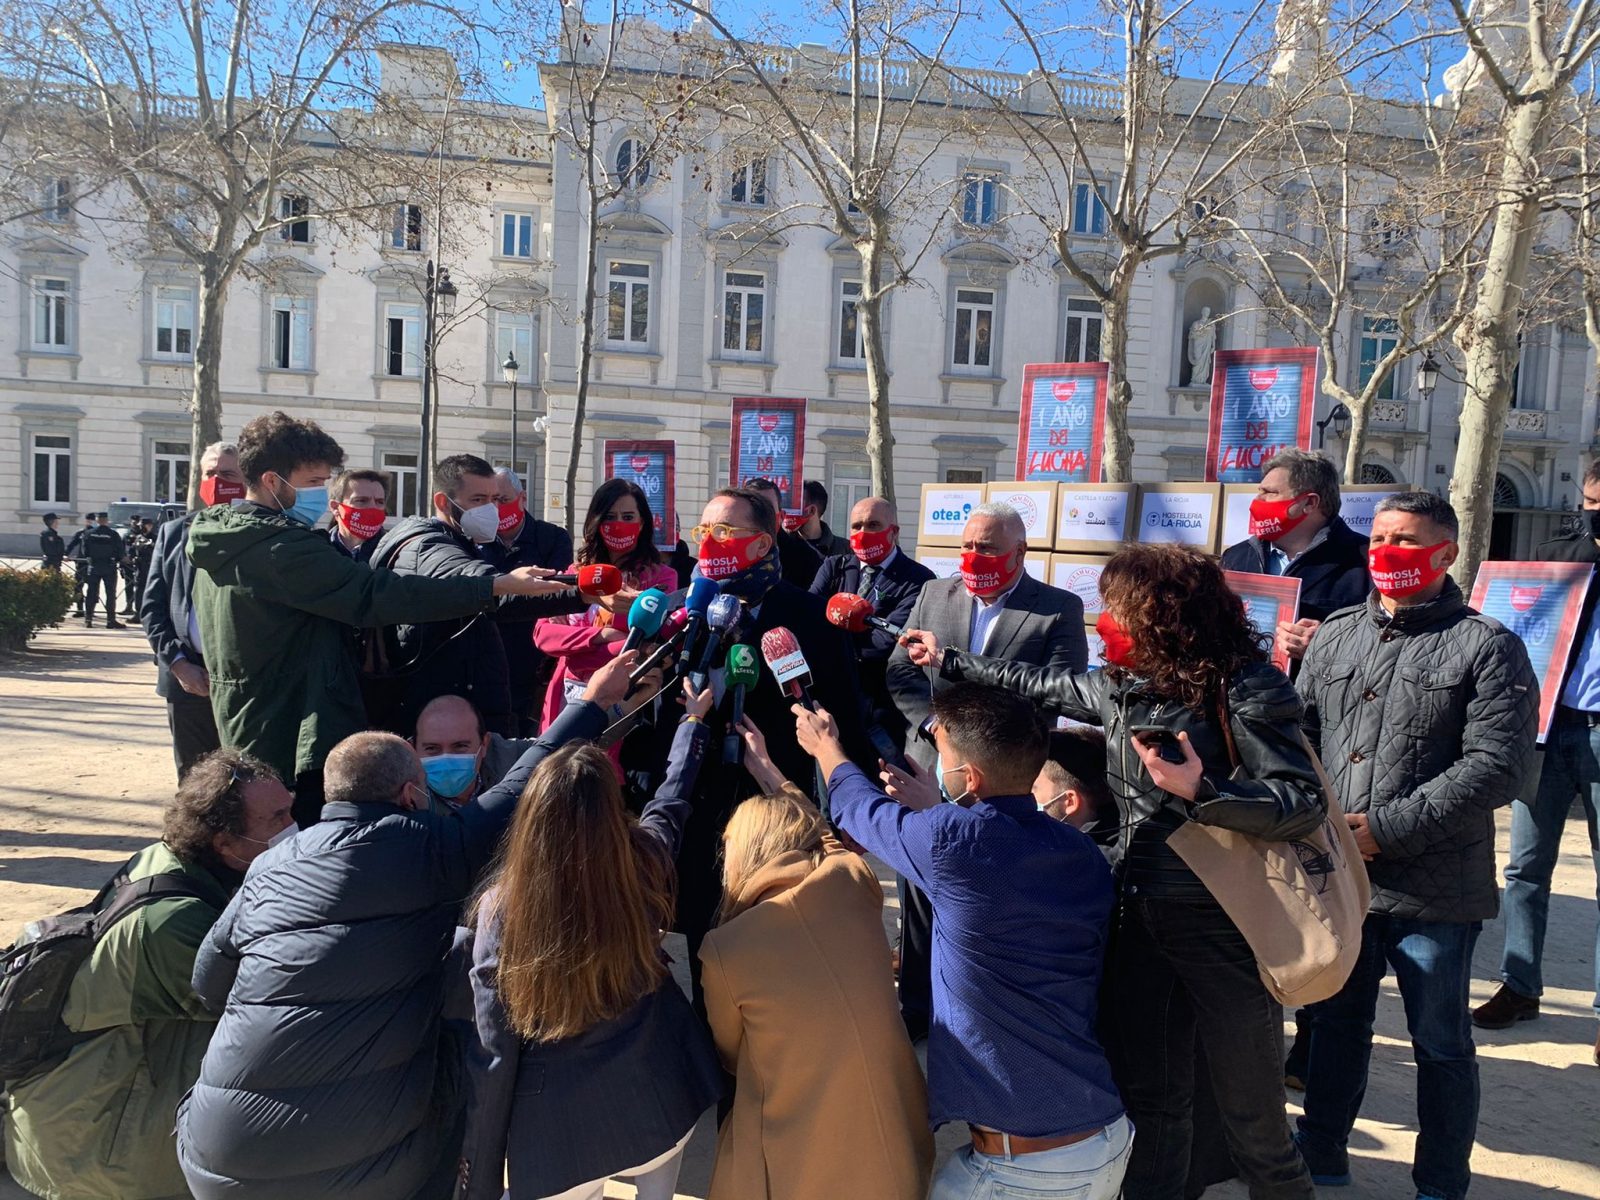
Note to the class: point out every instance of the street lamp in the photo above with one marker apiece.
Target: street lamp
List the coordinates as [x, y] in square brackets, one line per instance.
[508, 372]
[438, 298]
[1339, 418]
[1427, 375]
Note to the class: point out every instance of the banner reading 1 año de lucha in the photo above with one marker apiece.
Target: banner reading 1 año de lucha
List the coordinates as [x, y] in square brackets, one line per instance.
[653, 467]
[1062, 422]
[1262, 402]
[769, 442]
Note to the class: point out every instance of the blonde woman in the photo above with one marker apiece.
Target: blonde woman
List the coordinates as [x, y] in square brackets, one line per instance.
[800, 995]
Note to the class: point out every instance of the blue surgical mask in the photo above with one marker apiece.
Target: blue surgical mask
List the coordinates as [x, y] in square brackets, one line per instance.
[309, 504]
[944, 792]
[451, 774]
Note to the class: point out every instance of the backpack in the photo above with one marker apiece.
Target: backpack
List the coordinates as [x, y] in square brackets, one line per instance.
[37, 970]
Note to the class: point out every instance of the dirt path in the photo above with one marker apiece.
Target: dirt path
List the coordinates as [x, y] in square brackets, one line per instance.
[88, 765]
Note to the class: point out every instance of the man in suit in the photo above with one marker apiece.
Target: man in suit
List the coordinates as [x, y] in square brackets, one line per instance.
[997, 609]
[167, 615]
[875, 568]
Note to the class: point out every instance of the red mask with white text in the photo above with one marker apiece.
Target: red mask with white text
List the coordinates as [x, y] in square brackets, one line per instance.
[216, 490]
[722, 560]
[986, 575]
[620, 536]
[873, 546]
[1119, 646]
[793, 521]
[1271, 519]
[510, 516]
[361, 523]
[1403, 570]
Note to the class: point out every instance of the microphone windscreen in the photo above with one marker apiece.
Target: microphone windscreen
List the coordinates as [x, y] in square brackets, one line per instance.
[784, 659]
[723, 613]
[601, 579]
[701, 593]
[648, 610]
[849, 611]
[742, 670]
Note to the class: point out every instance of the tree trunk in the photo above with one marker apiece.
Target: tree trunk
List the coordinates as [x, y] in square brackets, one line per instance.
[869, 312]
[591, 255]
[1489, 338]
[1116, 460]
[205, 398]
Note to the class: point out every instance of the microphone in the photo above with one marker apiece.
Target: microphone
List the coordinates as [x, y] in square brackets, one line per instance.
[602, 579]
[653, 659]
[788, 665]
[722, 618]
[645, 616]
[855, 614]
[701, 593]
[742, 674]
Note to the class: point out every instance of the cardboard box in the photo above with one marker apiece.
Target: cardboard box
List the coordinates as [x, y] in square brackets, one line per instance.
[1357, 502]
[1189, 514]
[1037, 564]
[943, 562]
[944, 510]
[1035, 502]
[1080, 575]
[1236, 499]
[1095, 517]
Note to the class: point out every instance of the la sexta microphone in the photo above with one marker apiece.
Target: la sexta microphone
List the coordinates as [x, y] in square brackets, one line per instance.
[601, 579]
[788, 665]
[742, 675]
[721, 618]
[648, 610]
[855, 614]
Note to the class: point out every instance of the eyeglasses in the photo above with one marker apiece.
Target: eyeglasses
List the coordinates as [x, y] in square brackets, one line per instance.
[719, 532]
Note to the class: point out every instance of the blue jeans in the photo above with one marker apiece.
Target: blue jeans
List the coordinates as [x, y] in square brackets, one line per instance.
[1571, 765]
[1087, 1170]
[1432, 961]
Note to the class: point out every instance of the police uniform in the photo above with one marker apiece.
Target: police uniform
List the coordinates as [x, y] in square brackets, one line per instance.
[52, 549]
[103, 547]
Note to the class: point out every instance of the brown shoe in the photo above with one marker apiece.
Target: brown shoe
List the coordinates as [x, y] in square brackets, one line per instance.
[1504, 1009]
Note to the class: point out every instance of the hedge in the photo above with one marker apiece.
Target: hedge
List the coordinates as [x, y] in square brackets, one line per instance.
[31, 601]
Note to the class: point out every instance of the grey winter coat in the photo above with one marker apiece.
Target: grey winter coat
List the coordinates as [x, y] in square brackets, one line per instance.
[1426, 722]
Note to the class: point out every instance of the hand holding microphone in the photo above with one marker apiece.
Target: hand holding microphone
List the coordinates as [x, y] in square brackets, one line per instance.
[856, 614]
[742, 675]
[722, 618]
[788, 664]
[645, 616]
[923, 647]
[598, 579]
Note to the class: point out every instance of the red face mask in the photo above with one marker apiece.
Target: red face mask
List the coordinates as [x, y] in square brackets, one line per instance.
[510, 516]
[1271, 519]
[1119, 646]
[986, 575]
[723, 560]
[362, 523]
[793, 521]
[620, 536]
[216, 490]
[1403, 570]
[873, 546]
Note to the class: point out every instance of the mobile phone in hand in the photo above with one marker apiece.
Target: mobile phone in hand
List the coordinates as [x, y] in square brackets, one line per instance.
[1163, 739]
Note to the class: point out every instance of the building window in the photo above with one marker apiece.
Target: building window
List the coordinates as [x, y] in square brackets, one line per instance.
[170, 470]
[56, 203]
[965, 475]
[293, 209]
[513, 334]
[744, 311]
[291, 333]
[52, 299]
[1379, 336]
[516, 236]
[849, 483]
[628, 303]
[749, 183]
[851, 348]
[1084, 319]
[980, 199]
[402, 343]
[52, 468]
[633, 164]
[174, 332]
[974, 339]
[406, 233]
[401, 468]
[1373, 473]
[1089, 210]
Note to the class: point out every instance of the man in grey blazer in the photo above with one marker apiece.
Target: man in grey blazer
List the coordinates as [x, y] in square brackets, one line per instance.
[998, 610]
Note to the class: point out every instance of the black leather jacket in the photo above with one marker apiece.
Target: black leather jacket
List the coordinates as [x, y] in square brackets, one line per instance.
[1276, 794]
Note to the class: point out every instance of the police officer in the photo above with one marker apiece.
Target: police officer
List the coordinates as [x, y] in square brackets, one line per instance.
[51, 547]
[80, 564]
[102, 546]
[141, 540]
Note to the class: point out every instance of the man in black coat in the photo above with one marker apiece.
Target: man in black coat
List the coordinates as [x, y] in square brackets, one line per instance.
[166, 613]
[873, 567]
[104, 549]
[463, 657]
[80, 564]
[52, 549]
[813, 528]
[1296, 531]
[797, 558]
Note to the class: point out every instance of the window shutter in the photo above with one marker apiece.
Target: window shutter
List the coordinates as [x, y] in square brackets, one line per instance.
[300, 336]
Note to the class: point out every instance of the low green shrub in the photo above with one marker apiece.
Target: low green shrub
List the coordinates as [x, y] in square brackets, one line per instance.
[31, 601]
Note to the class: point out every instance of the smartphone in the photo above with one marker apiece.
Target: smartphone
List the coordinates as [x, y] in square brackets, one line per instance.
[1162, 738]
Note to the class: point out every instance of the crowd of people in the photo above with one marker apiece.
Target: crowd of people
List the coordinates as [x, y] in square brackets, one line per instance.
[445, 782]
[99, 556]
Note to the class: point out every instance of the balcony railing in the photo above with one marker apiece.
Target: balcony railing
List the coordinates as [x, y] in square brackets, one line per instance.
[1527, 422]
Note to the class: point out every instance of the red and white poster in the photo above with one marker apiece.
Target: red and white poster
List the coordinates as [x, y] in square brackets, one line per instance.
[1542, 603]
[654, 467]
[1062, 424]
[1262, 402]
[1268, 601]
[769, 442]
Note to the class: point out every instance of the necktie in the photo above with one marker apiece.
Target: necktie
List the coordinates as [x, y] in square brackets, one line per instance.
[869, 577]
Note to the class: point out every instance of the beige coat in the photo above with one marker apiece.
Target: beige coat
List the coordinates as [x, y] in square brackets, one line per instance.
[830, 1103]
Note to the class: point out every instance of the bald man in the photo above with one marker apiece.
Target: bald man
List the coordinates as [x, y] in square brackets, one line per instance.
[461, 758]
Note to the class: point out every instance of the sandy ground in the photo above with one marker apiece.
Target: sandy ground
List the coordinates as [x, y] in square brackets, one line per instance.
[88, 764]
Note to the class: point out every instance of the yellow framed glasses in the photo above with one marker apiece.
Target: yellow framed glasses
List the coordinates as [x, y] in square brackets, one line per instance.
[719, 532]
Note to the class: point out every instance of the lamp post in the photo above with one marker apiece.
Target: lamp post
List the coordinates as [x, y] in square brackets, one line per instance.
[508, 372]
[1427, 376]
[1339, 418]
[438, 297]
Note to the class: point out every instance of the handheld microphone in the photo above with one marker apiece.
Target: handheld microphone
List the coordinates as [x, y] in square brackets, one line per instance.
[722, 618]
[788, 664]
[742, 675]
[645, 616]
[856, 614]
[653, 659]
[701, 593]
[601, 579]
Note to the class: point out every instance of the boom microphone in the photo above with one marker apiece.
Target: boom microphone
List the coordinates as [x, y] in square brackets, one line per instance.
[788, 664]
[601, 579]
[855, 614]
[742, 675]
[722, 618]
[649, 609]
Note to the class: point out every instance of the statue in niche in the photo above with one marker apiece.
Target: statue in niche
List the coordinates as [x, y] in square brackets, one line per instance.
[1300, 35]
[1202, 348]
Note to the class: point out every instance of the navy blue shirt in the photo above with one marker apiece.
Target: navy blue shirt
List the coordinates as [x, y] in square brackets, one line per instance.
[1020, 907]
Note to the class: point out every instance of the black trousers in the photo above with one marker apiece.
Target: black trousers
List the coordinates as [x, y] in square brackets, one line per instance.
[193, 725]
[1178, 971]
[916, 956]
[97, 582]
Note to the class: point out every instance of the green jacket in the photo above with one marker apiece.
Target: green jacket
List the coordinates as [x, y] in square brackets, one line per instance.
[275, 600]
[99, 1126]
